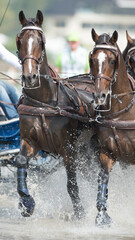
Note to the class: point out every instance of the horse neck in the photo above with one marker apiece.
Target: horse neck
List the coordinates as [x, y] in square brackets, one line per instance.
[48, 86]
[44, 68]
[121, 86]
[125, 52]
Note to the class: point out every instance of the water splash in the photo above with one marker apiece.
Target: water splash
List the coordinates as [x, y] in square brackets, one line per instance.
[53, 211]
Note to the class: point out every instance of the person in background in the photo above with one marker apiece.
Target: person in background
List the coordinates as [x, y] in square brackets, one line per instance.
[73, 60]
[8, 93]
[9, 57]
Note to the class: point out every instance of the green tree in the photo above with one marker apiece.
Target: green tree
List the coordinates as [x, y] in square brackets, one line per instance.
[10, 25]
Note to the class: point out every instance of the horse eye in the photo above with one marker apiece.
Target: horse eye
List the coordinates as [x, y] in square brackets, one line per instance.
[112, 62]
[131, 60]
[92, 61]
[41, 43]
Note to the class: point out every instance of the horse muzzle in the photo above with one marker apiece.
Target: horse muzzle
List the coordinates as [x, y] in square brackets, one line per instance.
[31, 81]
[99, 98]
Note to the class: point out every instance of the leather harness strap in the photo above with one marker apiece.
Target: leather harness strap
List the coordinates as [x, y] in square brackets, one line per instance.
[125, 125]
[117, 139]
[50, 111]
[118, 124]
[48, 135]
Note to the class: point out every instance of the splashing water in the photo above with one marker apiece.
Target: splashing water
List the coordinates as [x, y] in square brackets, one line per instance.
[52, 217]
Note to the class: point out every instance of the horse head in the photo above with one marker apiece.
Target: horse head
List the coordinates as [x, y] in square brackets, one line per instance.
[31, 49]
[129, 54]
[103, 64]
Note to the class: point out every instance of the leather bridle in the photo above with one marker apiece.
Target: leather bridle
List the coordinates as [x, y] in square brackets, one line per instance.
[130, 54]
[114, 51]
[38, 61]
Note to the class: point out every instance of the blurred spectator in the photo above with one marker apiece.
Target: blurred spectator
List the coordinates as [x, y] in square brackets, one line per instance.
[73, 59]
[9, 57]
[8, 93]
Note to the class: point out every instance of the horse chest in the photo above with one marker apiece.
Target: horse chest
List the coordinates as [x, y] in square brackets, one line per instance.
[120, 143]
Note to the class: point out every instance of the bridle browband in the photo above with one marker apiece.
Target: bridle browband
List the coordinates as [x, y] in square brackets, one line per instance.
[105, 47]
[31, 28]
[130, 54]
[131, 50]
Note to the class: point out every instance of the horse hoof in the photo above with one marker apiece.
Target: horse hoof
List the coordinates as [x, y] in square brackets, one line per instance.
[26, 205]
[103, 219]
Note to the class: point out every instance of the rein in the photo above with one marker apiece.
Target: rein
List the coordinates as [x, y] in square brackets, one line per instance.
[50, 111]
[77, 112]
[10, 78]
[13, 104]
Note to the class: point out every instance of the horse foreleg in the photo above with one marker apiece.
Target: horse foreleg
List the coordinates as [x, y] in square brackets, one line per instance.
[102, 217]
[73, 191]
[26, 204]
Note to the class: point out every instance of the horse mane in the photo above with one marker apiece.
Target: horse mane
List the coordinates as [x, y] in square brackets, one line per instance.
[31, 22]
[121, 65]
[125, 51]
[103, 39]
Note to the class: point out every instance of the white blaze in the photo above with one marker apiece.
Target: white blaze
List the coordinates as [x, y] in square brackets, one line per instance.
[30, 41]
[101, 58]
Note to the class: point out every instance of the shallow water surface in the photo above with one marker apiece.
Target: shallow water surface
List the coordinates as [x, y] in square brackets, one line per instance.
[52, 218]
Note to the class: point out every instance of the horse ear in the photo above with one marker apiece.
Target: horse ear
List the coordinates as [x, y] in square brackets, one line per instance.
[94, 35]
[129, 39]
[114, 37]
[39, 17]
[22, 18]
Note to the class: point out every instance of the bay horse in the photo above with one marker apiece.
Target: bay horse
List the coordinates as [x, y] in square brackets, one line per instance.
[129, 55]
[52, 112]
[115, 119]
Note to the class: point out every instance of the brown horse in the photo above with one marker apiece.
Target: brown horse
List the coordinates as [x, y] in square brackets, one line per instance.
[50, 112]
[129, 55]
[114, 104]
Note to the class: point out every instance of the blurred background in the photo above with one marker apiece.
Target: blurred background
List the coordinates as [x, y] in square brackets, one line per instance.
[61, 17]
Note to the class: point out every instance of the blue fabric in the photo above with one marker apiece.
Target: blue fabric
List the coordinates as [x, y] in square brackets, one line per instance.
[8, 94]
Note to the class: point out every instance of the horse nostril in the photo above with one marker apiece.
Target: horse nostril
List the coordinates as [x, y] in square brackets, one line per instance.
[103, 95]
[23, 77]
[93, 95]
[34, 76]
